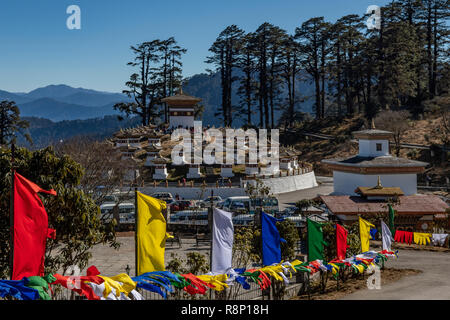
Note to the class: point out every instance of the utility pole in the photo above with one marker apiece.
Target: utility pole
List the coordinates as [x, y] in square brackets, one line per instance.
[210, 229]
[136, 231]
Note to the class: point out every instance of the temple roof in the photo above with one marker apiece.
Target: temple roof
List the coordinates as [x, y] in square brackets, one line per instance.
[377, 192]
[416, 204]
[181, 98]
[372, 134]
[139, 132]
[374, 162]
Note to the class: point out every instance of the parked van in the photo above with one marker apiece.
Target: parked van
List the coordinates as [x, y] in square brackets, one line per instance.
[126, 212]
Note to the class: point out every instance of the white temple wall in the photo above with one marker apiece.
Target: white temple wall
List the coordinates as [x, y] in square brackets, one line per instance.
[368, 148]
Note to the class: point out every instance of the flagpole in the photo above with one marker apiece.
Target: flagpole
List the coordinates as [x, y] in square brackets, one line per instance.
[135, 232]
[211, 226]
[11, 214]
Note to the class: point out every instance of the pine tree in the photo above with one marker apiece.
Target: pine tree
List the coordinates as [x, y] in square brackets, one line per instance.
[225, 51]
[246, 89]
[143, 86]
[10, 123]
[289, 72]
[312, 38]
[169, 72]
[261, 41]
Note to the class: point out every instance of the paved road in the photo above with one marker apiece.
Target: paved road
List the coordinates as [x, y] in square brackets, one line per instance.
[432, 284]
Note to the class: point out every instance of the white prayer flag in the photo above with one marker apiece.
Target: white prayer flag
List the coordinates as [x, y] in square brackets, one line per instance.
[439, 239]
[222, 241]
[386, 235]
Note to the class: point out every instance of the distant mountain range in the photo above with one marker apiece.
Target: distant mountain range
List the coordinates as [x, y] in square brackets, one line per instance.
[59, 112]
[62, 102]
[45, 132]
[208, 88]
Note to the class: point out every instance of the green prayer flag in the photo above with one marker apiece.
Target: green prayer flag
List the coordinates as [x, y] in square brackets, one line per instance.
[41, 284]
[391, 219]
[315, 241]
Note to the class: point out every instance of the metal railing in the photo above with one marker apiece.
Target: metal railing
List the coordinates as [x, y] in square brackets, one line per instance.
[233, 292]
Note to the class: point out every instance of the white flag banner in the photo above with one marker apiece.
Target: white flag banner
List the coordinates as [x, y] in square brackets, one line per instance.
[222, 241]
[438, 239]
[386, 235]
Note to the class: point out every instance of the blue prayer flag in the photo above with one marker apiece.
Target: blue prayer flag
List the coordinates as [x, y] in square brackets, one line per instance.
[271, 240]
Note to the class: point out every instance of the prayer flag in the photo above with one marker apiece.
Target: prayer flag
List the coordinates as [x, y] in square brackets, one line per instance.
[151, 234]
[391, 219]
[271, 240]
[364, 233]
[315, 241]
[30, 229]
[386, 236]
[341, 242]
[222, 241]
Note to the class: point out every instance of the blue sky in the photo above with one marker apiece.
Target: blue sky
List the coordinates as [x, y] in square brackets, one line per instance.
[37, 49]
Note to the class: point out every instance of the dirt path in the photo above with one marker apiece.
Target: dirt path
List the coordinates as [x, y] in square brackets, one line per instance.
[433, 283]
[354, 285]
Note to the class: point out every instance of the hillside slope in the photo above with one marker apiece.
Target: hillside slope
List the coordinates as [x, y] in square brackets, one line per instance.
[421, 132]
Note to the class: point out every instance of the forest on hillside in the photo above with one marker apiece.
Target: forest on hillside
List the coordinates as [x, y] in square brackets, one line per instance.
[403, 63]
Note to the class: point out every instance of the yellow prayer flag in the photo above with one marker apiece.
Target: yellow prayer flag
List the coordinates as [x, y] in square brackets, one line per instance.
[151, 234]
[364, 233]
[422, 238]
[122, 283]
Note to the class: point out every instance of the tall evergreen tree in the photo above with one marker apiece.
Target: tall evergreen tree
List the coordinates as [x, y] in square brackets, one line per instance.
[261, 40]
[246, 89]
[225, 59]
[10, 123]
[278, 36]
[290, 69]
[169, 72]
[142, 86]
[311, 37]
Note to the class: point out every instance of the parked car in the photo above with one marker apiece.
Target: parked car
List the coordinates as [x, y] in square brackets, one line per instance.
[243, 219]
[233, 204]
[181, 205]
[188, 215]
[215, 200]
[164, 196]
[289, 211]
[110, 199]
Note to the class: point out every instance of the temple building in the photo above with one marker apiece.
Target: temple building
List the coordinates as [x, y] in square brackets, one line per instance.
[151, 147]
[181, 110]
[364, 185]
[374, 161]
[413, 212]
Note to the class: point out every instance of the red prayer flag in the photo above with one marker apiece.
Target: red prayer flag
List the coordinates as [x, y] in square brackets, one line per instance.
[30, 229]
[341, 242]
